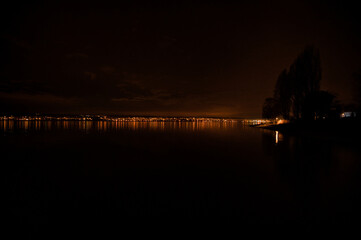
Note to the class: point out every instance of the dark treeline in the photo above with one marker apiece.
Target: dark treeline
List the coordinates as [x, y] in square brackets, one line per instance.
[297, 93]
[357, 92]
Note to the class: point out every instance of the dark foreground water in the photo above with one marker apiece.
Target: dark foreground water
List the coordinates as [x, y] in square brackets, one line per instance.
[69, 174]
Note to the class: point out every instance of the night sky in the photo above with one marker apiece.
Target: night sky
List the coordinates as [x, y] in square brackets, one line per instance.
[170, 58]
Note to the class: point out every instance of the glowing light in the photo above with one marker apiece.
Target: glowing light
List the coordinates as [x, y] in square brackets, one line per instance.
[276, 139]
[282, 121]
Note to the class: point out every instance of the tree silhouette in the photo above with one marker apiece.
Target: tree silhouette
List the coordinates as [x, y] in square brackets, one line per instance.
[270, 108]
[317, 105]
[357, 92]
[297, 88]
[305, 77]
[282, 94]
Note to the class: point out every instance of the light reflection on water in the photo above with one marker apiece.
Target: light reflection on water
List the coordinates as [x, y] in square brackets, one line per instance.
[237, 171]
[9, 126]
[278, 137]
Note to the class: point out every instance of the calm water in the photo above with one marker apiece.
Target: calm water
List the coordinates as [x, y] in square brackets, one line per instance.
[80, 172]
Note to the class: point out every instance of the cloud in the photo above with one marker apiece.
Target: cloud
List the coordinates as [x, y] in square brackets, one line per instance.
[36, 98]
[22, 86]
[31, 103]
[132, 99]
[107, 69]
[91, 75]
[16, 41]
[76, 55]
[150, 95]
[131, 89]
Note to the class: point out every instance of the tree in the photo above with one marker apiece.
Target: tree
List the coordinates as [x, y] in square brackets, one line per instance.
[305, 77]
[283, 93]
[297, 86]
[317, 105]
[270, 108]
[357, 92]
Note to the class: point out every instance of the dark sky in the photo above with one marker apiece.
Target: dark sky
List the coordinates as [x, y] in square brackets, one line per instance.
[168, 58]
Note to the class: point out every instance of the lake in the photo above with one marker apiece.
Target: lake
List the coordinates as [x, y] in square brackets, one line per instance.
[97, 171]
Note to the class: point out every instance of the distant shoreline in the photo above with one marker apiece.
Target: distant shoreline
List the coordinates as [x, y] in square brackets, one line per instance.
[119, 119]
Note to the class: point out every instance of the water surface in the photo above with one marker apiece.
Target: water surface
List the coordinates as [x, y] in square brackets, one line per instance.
[87, 171]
